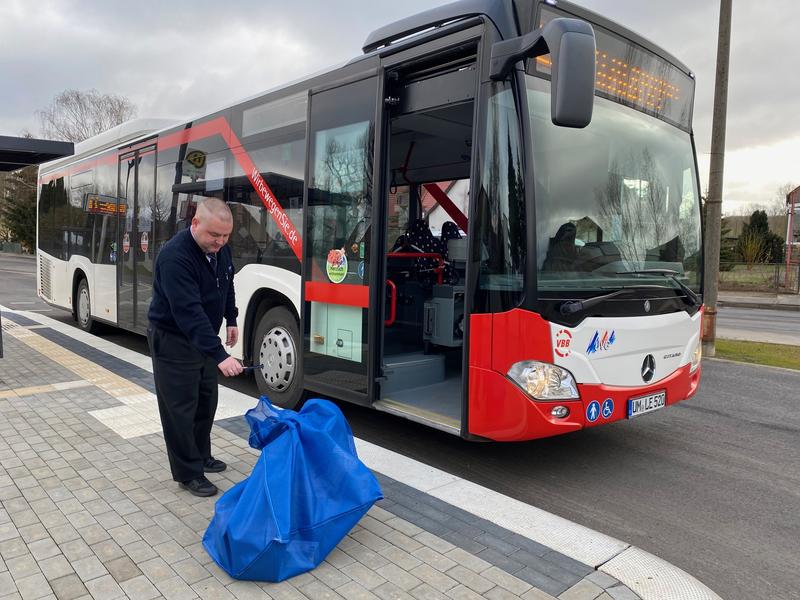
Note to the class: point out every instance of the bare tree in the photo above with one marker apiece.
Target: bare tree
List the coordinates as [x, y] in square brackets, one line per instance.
[775, 207]
[639, 213]
[74, 115]
[778, 205]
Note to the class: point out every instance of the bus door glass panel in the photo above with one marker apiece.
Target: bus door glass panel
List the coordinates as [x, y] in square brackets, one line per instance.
[126, 266]
[499, 245]
[337, 230]
[147, 211]
[137, 192]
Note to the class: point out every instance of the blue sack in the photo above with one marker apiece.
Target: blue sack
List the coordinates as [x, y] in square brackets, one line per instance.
[306, 492]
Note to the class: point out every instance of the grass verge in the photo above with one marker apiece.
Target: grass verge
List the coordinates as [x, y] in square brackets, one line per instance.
[776, 355]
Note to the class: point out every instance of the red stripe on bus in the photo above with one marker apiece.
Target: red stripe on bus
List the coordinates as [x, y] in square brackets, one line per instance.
[80, 167]
[448, 205]
[338, 293]
[196, 132]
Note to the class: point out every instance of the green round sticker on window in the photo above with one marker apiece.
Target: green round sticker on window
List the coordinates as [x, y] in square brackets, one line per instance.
[336, 265]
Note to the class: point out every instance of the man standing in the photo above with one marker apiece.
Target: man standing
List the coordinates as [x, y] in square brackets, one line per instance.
[192, 291]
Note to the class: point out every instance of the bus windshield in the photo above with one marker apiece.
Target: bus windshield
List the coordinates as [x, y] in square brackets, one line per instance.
[616, 197]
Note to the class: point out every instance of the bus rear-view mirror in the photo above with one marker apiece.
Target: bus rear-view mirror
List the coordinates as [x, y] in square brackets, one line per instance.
[571, 46]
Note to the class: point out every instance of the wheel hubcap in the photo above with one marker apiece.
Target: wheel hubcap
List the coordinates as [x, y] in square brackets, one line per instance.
[278, 356]
[83, 306]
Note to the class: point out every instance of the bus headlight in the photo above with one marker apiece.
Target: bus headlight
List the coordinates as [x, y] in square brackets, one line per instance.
[544, 381]
[696, 356]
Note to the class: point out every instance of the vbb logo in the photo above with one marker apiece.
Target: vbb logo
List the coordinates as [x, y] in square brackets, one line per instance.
[563, 345]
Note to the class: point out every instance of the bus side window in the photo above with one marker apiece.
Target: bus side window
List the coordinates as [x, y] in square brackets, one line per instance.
[45, 216]
[59, 205]
[279, 155]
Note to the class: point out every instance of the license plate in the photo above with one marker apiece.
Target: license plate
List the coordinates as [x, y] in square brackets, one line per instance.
[645, 404]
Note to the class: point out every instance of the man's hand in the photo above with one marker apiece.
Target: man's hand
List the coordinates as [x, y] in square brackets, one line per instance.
[230, 367]
[233, 336]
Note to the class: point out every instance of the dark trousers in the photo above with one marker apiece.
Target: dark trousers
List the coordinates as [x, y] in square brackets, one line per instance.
[186, 388]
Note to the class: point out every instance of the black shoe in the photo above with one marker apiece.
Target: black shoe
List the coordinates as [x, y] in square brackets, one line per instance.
[199, 487]
[212, 465]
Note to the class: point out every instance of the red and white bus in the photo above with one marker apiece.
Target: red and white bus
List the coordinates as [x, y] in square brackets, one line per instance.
[489, 222]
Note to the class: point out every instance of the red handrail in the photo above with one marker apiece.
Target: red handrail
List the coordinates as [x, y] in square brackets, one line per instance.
[439, 270]
[392, 303]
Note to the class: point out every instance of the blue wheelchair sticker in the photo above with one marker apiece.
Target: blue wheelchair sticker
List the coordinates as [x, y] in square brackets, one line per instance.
[361, 269]
[593, 411]
[608, 408]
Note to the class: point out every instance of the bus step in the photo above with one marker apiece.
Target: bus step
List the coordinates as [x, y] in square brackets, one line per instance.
[419, 415]
[411, 370]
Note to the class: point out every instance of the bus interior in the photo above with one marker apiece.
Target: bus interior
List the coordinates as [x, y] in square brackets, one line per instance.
[427, 200]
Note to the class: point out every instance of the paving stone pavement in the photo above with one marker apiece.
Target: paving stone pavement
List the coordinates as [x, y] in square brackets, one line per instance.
[86, 513]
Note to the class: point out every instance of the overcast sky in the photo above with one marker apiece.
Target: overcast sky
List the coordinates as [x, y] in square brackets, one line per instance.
[180, 59]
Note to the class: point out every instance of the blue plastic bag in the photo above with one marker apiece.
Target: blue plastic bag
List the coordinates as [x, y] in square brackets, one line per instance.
[306, 492]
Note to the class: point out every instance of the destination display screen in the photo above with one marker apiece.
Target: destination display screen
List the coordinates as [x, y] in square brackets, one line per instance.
[103, 205]
[632, 75]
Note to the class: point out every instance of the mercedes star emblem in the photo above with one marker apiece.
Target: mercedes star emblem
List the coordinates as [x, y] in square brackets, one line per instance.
[648, 368]
[647, 306]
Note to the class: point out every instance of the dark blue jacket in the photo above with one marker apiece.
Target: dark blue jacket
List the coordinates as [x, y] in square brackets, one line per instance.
[189, 298]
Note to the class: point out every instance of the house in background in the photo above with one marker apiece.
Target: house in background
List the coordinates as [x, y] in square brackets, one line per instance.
[793, 227]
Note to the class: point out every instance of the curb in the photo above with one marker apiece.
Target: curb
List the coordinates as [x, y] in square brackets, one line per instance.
[750, 364]
[650, 577]
[18, 254]
[761, 305]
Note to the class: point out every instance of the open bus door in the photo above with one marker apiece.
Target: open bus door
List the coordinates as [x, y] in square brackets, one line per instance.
[341, 300]
[385, 324]
[429, 138]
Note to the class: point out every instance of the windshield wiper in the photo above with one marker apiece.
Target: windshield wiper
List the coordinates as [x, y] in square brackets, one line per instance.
[673, 275]
[573, 306]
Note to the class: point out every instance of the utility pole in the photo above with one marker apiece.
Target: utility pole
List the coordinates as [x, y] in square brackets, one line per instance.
[714, 200]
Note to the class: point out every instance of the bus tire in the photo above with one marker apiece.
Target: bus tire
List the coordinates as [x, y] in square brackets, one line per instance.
[83, 308]
[277, 345]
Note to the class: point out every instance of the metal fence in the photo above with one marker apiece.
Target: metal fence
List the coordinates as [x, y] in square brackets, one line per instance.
[14, 247]
[760, 277]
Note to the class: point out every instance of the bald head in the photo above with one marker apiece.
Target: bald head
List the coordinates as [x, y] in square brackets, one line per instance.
[212, 225]
[214, 207]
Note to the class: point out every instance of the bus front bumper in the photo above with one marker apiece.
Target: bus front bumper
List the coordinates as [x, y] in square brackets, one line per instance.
[499, 410]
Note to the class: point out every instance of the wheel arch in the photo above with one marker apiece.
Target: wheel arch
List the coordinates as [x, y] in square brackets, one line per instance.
[78, 275]
[260, 303]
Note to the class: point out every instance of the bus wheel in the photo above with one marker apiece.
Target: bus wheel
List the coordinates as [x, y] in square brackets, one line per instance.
[276, 345]
[83, 308]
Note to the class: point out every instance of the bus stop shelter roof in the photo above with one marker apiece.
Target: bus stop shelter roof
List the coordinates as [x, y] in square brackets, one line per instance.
[17, 152]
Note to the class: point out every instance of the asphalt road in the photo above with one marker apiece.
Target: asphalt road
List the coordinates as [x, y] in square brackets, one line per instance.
[760, 325]
[711, 485]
